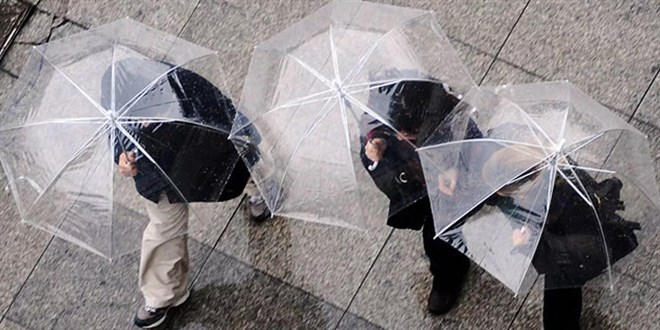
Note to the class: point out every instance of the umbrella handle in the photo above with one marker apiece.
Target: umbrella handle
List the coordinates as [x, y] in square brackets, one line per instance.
[372, 166]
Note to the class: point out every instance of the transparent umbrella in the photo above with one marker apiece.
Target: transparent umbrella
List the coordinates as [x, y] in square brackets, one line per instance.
[83, 100]
[555, 185]
[316, 90]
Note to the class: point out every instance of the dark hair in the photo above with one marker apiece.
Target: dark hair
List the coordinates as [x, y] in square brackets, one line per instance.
[418, 106]
[409, 104]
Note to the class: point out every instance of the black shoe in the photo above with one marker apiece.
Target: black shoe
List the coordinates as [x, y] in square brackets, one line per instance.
[257, 209]
[441, 301]
[149, 317]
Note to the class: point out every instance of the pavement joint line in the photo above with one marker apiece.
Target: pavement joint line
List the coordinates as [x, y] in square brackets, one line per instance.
[641, 100]
[9, 73]
[497, 54]
[63, 17]
[364, 279]
[270, 276]
[519, 309]
[208, 256]
[16, 322]
[489, 54]
[645, 282]
[27, 278]
[189, 18]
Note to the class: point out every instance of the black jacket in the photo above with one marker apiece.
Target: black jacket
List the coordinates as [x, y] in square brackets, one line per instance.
[200, 162]
[571, 249]
[399, 173]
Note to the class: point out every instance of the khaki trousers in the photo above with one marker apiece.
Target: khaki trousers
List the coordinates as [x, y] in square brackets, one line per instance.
[164, 259]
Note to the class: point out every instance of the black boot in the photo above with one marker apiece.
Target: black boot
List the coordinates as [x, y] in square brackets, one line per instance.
[442, 299]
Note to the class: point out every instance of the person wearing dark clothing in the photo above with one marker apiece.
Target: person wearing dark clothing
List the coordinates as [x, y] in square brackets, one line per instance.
[176, 146]
[182, 155]
[415, 109]
[570, 250]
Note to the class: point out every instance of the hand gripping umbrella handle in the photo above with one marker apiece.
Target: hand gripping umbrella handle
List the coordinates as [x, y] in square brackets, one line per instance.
[372, 166]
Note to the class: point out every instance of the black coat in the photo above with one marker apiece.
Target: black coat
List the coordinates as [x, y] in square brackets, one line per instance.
[571, 248]
[399, 173]
[200, 162]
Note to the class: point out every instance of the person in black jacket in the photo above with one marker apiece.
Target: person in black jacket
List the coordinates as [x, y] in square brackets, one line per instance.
[172, 163]
[416, 108]
[571, 249]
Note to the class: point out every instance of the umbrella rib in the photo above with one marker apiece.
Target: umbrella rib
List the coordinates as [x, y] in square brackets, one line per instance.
[483, 199]
[280, 107]
[358, 66]
[650, 199]
[333, 50]
[586, 141]
[562, 131]
[90, 120]
[501, 142]
[382, 83]
[577, 190]
[96, 105]
[344, 118]
[315, 123]
[301, 99]
[311, 70]
[551, 187]
[297, 102]
[159, 104]
[531, 122]
[518, 177]
[375, 115]
[591, 169]
[303, 102]
[60, 172]
[598, 221]
[113, 79]
[78, 194]
[144, 91]
[526, 220]
[111, 146]
[128, 120]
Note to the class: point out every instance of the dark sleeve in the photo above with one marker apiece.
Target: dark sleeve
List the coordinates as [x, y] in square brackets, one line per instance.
[118, 150]
[473, 131]
[382, 174]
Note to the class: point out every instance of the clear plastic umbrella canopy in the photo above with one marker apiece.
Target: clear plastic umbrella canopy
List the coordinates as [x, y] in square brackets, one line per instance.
[82, 100]
[541, 179]
[314, 92]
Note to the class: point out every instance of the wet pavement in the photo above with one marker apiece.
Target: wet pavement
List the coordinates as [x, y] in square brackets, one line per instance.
[289, 274]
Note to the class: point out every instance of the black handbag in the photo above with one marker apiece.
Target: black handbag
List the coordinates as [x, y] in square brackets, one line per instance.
[573, 255]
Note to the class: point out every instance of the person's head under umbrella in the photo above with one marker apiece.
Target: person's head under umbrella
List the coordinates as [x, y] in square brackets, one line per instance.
[409, 106]
[412, 107]
[581, 235]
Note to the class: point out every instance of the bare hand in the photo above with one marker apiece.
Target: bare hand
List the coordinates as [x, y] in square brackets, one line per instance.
[447, 181]
[127, 164]
[375, 149]
[521, 236]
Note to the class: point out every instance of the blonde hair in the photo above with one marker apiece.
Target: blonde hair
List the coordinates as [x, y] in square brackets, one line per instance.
[526, 158]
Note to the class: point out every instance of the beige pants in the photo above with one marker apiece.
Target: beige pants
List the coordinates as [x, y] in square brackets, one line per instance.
[164, 260]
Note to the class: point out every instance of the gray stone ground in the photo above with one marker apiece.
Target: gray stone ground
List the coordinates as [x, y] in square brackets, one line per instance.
[290, 274]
